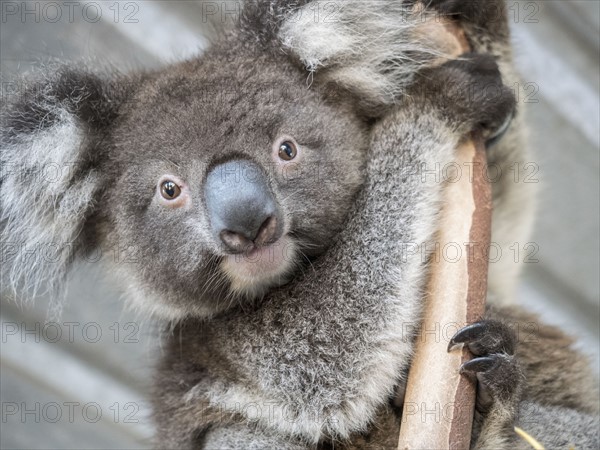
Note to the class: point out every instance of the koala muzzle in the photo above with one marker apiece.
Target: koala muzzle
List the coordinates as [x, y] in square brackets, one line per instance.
[241, 207]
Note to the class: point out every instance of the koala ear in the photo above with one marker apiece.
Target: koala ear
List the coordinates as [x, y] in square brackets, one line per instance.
[372, 50]
[50, 147]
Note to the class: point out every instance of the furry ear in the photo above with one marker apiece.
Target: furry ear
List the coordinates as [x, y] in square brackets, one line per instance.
[370, 49]
[50, 144]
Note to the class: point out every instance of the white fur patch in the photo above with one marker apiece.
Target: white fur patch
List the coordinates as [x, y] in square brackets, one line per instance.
[372, 47]
[253, 277]
[41, 206]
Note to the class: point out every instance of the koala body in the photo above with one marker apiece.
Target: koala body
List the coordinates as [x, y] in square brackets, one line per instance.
[269, 207]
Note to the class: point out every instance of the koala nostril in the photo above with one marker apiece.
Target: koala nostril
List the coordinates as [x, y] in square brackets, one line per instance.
[239, 243]
[266, 232]
[235, 241]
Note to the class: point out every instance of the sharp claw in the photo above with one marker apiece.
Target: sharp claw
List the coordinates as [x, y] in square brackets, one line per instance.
[452, 345]
[466, 334]
[482, 364]
[499, 134]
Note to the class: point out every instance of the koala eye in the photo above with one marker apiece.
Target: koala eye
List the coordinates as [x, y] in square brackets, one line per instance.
[169, 190]
[287, 150]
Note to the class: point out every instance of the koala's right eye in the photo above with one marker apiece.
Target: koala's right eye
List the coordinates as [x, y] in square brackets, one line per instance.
[170, 190]
[287, 150]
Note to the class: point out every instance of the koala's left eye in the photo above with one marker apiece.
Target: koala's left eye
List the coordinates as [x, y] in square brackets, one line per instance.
[170, 190]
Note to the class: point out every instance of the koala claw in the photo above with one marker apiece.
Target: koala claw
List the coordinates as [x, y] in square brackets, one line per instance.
[481, 364]
[493, 103]
[500, 132]
[466, 334]
[498, 372]
[485, 337]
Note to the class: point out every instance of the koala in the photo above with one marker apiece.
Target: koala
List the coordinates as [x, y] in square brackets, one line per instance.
[267, 190]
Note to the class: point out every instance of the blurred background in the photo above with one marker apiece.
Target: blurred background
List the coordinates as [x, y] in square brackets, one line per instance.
[82, 381]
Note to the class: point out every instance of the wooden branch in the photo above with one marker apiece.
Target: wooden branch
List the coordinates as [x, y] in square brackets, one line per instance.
[439, 402]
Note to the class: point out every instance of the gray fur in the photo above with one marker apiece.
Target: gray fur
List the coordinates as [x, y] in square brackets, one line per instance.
[559, 427]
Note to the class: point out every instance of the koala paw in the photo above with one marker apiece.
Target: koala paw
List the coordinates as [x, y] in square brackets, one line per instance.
[497, 370]
[491, 102]
[469, 92]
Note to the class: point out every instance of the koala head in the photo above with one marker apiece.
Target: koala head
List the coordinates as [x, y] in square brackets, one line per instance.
[225, 177]
[207, 182]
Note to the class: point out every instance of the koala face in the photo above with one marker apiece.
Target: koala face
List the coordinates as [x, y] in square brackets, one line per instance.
[226, 181]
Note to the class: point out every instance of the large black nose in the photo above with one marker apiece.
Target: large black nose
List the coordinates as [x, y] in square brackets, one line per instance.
[241, 207]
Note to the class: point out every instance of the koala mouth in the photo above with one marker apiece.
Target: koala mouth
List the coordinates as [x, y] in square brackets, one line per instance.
[253, 273]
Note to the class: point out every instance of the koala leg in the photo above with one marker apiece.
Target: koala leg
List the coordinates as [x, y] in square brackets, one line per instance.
[560, 401]
[528, 376]
[559, 427]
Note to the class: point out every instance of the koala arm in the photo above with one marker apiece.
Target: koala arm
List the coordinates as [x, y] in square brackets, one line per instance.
[319, 356]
